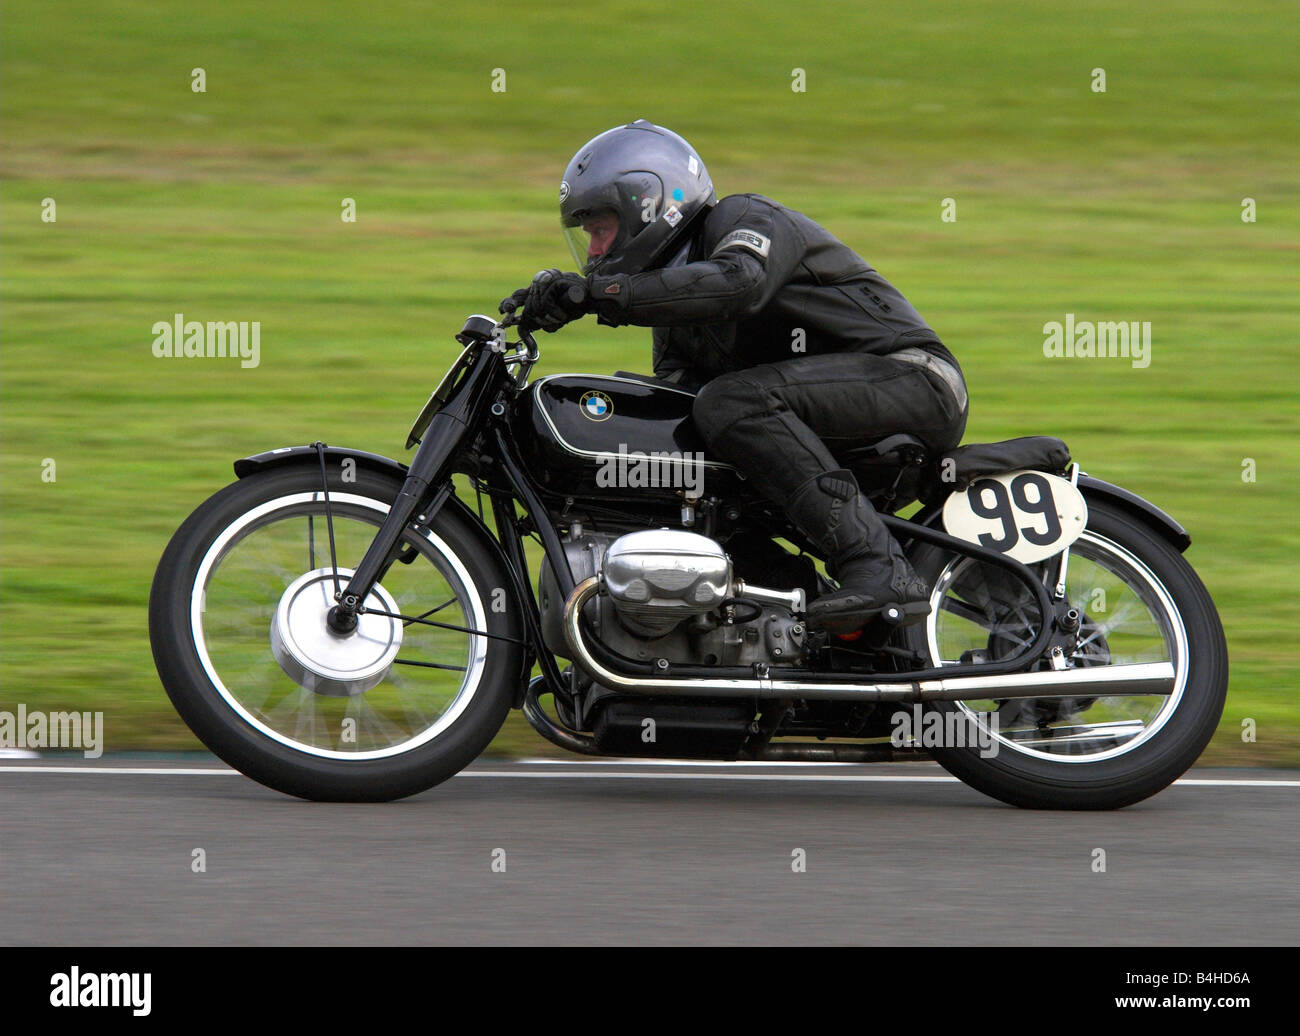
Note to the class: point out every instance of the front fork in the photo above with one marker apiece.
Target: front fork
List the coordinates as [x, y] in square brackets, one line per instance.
[429, 468]
[342, 618]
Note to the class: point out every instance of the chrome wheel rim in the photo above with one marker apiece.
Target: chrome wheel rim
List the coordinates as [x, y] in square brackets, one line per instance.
[1129, 616]
[237, 591]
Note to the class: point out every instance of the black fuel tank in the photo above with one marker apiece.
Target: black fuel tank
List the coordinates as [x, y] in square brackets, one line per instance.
[590, 435]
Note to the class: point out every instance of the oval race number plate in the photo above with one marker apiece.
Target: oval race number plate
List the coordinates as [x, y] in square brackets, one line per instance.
[1027, 515]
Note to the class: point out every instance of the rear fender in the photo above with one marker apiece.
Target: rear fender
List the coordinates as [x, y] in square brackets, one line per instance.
[1143, 510]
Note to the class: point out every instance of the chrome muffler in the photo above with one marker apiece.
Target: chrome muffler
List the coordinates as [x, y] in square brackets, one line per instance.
[1097, 681]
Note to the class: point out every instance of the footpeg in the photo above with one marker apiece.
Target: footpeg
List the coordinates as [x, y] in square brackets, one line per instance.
[904, 614]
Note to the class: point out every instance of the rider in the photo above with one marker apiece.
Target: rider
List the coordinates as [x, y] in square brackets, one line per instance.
[797, 347]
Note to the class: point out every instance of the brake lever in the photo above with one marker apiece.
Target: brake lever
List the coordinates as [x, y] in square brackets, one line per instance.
[513, 319]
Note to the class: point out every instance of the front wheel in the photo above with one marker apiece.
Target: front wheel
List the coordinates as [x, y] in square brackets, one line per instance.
[1130, 598]
[236, 621]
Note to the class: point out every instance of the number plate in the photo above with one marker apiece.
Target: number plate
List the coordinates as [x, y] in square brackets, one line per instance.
[1027, 515]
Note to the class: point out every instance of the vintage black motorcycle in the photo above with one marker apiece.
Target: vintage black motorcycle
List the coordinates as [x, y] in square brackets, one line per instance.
[339, 626]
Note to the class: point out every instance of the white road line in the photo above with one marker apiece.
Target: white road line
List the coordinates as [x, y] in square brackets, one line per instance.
[131, 770]
[858, 778]
[739, 764]
[1250, 783]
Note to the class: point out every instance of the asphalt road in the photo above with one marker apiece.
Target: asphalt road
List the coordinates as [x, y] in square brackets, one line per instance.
[624, 853]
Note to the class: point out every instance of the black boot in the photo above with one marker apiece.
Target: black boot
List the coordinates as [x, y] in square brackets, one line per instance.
[875, 576]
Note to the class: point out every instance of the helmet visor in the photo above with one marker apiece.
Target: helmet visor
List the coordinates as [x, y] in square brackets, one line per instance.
[595, 237]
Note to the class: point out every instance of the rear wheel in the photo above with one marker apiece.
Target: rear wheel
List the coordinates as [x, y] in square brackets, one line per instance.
[236, 620]
[1135, 599]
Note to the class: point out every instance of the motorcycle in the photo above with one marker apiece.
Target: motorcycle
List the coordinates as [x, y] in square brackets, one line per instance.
[340, 626]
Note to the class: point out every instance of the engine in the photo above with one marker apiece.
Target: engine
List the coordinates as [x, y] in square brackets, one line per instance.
[658, 579]
[671, 594]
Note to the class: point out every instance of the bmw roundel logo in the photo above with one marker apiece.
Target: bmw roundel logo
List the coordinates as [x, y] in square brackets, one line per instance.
[596, 405]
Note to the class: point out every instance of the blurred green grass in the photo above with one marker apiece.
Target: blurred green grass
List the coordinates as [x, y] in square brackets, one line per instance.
[225, 206]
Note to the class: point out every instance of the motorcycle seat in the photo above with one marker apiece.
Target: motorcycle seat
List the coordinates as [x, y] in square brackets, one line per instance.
[975, 460]
[900, 468]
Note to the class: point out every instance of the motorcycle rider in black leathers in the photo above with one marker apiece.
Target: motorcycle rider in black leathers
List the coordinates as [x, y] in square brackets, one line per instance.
[797, 347]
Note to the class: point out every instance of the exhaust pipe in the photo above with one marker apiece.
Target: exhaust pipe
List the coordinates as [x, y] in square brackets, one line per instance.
[1097, 681]
[819, 752]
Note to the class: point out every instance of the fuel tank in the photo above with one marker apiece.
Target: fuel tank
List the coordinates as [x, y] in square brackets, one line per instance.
[593, 436]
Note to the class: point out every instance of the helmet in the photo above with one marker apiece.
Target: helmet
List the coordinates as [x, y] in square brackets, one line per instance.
[629, 196]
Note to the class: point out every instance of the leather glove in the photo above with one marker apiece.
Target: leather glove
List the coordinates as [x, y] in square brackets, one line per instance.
[552, 300]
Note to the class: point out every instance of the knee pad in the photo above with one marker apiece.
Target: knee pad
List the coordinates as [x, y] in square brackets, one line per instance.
[721, 402]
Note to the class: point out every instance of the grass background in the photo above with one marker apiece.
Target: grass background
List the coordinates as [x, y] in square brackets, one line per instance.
[225, 205]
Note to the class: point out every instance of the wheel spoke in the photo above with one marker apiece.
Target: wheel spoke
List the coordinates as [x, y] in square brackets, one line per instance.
[431, 611]
[443, 625]
[965, 611]
[429, 665]
[371, 718]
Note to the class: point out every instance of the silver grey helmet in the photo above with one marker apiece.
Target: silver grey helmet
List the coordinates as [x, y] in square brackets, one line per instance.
[629, 196]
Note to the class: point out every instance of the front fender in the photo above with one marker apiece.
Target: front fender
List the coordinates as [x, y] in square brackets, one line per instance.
[246, 466]
[286, 455]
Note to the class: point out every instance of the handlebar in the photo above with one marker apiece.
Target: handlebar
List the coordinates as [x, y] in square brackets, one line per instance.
[512, 319]
[527, 338]
[532, 353]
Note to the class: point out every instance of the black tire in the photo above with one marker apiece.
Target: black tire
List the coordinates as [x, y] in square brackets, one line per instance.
[280, 766]
[1036, 783]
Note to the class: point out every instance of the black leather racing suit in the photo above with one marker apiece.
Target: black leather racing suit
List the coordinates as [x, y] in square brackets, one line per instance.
[802, 348]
